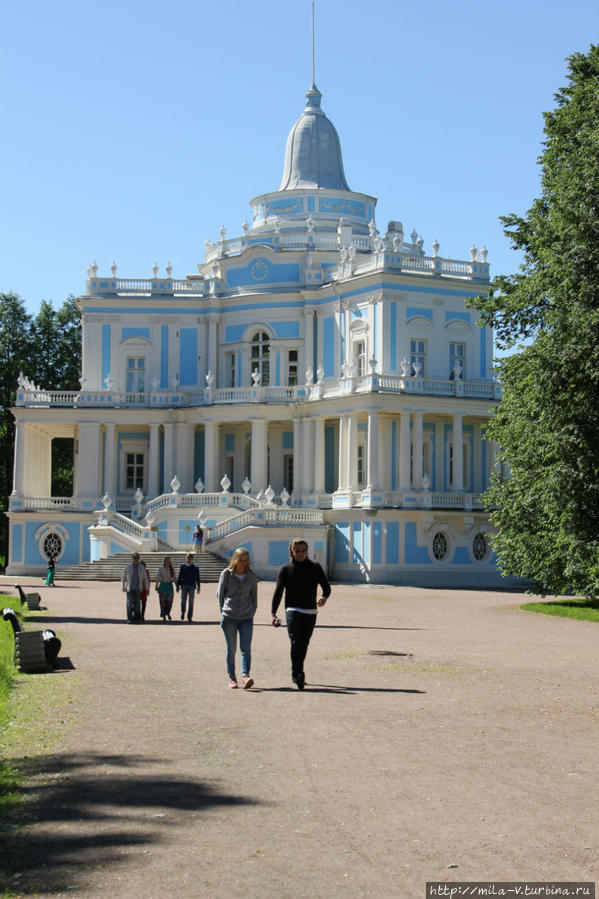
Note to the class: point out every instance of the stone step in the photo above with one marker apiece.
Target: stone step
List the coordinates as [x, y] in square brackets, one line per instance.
[111, 569]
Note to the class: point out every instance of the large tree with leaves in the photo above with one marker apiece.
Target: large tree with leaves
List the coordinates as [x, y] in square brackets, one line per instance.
[546, 513]
[46, 348]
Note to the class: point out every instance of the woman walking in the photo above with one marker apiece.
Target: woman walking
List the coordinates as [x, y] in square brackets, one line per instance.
[51, 570]
[165, 580]
[238, 601]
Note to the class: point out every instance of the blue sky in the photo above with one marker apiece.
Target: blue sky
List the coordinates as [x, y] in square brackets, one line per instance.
[132, 131]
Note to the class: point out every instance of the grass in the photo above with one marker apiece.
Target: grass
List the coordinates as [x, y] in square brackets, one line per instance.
[8, 673]
[581, 609]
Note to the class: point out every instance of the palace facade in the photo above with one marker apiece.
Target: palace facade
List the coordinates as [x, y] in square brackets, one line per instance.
[314, 376]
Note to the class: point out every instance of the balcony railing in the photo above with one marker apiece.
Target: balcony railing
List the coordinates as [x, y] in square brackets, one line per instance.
[226, 396]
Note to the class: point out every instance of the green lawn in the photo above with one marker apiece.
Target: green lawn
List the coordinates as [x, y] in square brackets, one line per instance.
[582, 609]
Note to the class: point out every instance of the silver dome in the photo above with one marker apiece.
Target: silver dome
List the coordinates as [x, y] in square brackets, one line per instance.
[313, 153]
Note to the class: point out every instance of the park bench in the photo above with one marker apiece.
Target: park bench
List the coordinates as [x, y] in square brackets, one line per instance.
[34, 650]
[31, 600]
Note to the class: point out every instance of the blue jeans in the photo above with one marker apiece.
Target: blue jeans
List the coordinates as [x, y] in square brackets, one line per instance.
[231, 627]
[133, 605]
[187, 595]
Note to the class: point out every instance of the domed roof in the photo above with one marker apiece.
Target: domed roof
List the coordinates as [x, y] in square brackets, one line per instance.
[313, 152]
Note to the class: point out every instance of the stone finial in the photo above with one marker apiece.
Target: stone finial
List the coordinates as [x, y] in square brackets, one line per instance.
[309, 376]
[320, 374]
[109, 381]
[169, 269]
[245, 228]
[284, 496]
[107, 501]
[269, 495]
[175, 484]
[473, 253]
[225, 484]
[310, 224]
[247, 485]
[202, 516]
[256, 377]
[199, 486]
[209, 379]
[138, 496]
[113, 269]
[405, 367]
[155, 270]
[372, 228]
[436, 246]
[483, 254]
[222, 232]
[420, 242]
[414, 235]
[426, 482]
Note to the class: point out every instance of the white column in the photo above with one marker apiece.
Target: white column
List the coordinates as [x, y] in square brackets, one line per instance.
[169, 455]
[309, 346]
[211, 460]
[109, 459]
[203, 344]
[385, 454]
[404, 451]
[308, 444]
[298, 474]
[342, 466]
[458, 453]
[373, 450]
[351, 441]
[259, 463]
[184, 455]
[213, 347]
[417, 451]
[88, 460]
[154, 461]
[319, 456]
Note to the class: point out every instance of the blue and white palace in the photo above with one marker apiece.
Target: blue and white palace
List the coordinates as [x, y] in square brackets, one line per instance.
[317, 376]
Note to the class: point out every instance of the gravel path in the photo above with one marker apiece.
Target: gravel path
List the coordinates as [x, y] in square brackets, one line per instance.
[443, 735]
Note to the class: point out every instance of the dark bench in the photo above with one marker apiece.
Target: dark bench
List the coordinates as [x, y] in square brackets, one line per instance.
[34, 650]
[31, 600]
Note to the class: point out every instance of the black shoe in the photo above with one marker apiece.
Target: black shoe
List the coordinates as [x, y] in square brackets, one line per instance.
[299, 680]
[182, 615]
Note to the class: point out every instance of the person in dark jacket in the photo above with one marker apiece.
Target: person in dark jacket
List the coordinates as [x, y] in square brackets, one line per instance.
[238, 600]
[299, 580]
[188, 582]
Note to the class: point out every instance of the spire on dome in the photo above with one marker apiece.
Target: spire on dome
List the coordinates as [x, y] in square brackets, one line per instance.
[313, 153]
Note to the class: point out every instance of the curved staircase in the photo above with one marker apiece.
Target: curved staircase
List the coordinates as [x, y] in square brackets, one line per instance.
[111, 569]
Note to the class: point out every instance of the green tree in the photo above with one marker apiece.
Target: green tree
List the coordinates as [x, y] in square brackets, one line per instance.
[15, 356]
[546, 513]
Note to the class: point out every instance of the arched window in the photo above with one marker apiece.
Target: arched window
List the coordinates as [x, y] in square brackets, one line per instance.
[260, 358]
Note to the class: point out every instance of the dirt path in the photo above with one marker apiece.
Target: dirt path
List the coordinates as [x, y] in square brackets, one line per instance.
[443, 735]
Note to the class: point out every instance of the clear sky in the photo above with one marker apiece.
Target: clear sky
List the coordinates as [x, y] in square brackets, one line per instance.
[132, 131]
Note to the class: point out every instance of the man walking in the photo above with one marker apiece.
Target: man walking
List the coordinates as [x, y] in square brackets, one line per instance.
[299, 581]
[188, 582]
[134, 580]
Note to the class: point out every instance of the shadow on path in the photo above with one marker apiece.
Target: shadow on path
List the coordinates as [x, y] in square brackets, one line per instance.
[332, 688]
[82, 811]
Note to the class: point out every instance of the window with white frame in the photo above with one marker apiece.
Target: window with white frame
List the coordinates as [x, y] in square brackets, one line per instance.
[417, 357]
[231, 370]
[260, 358]
[361, 460]
[360, 358]
[292, 369]
[136, 374]
[457, 359]
[134, 471]
[288, 472]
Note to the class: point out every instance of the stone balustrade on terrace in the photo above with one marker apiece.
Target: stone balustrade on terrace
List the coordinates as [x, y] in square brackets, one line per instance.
[210, 396]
